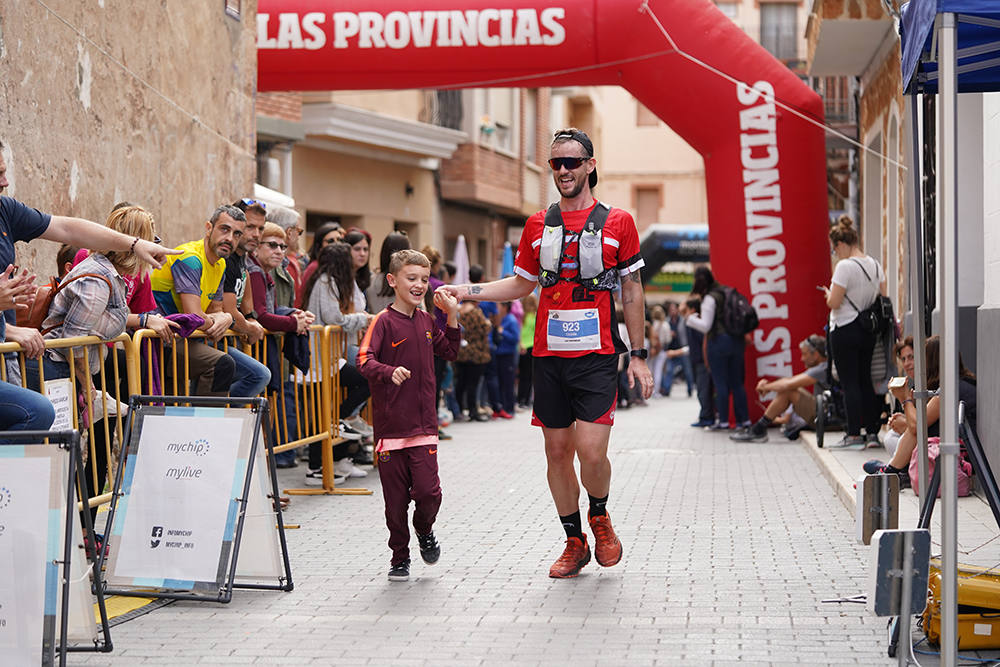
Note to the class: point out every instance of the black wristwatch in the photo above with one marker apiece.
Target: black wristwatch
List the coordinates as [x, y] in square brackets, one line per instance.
[642, 353]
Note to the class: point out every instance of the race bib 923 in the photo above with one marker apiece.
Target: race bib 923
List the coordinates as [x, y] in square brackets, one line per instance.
[573, 330]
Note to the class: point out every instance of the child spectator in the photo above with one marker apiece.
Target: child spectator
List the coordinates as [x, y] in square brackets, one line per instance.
[506, 338]
[397, 357]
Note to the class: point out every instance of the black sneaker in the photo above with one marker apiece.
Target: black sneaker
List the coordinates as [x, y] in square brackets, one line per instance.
[876, 467]
[792, 431]
[749, 435]
[400, 571]
[430, 550]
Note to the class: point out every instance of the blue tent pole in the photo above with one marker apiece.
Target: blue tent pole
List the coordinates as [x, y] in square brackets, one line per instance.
[947, 39]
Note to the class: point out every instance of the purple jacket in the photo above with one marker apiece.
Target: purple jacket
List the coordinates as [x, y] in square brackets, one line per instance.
[393, 340]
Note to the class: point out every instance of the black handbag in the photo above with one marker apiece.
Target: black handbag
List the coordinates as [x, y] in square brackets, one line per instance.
[877, 318]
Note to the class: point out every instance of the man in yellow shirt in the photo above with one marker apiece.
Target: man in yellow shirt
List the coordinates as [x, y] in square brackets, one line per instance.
[192, 283]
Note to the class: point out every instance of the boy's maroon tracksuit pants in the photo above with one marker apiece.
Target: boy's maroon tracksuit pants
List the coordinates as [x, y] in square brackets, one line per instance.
[409, 474]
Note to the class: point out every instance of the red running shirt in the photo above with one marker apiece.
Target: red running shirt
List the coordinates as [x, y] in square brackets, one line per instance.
[573, 321]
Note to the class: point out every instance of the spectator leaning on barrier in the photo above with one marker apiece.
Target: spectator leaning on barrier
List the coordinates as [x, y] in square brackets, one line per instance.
[269, 255]
[92, 302]
[237, 295]
[192, 283]
[21, 409]
[288, 277]
[327, 233]
[791, 391]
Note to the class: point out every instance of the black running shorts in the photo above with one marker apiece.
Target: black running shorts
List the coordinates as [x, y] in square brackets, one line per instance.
[568, 389]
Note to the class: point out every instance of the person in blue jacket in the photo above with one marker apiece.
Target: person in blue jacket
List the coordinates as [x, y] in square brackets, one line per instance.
[506, 338]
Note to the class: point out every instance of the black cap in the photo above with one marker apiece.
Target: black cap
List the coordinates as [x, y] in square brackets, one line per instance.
[581, 138]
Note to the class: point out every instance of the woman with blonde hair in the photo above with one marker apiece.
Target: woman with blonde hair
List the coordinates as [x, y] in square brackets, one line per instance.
[857, 281]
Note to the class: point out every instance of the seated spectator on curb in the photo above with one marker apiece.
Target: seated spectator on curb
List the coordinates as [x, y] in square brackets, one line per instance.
[192, 283]
[897, 420]
[792, 391]
[900, 461]
[379, 294]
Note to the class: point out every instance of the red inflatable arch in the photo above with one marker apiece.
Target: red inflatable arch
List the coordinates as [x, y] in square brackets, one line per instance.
[764, 166]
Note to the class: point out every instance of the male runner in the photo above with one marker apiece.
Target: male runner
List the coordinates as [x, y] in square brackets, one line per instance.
[578, 251]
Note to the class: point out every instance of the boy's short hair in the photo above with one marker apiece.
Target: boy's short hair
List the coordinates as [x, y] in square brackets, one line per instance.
[402, 258]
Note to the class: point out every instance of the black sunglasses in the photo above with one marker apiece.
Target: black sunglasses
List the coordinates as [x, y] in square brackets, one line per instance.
[569, 163]
[274, 245]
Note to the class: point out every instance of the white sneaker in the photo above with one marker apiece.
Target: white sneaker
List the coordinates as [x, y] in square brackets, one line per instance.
[359, 425]
[347, 468]
[348, 432]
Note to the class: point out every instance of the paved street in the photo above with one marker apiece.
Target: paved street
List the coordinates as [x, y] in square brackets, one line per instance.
[729, 550]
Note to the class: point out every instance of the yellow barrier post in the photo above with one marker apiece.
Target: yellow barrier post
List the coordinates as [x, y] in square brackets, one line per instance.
[326, 406]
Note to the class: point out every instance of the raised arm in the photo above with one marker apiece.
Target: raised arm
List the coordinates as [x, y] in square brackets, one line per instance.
[510, 288]
[87, 234]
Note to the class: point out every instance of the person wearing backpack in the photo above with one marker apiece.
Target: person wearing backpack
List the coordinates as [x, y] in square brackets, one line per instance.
[724, 347]
[853, 288]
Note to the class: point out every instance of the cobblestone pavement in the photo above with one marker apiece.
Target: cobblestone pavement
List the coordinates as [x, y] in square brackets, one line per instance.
[729, 550]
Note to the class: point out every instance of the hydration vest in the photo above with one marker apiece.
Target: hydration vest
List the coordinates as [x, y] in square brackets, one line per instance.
[590, 270]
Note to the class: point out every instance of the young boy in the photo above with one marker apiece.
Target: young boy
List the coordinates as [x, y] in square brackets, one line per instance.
[397, 357]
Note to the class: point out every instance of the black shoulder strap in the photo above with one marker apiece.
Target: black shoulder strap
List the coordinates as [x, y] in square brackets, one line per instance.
[598, 216]
[862, 267]
[553, 216]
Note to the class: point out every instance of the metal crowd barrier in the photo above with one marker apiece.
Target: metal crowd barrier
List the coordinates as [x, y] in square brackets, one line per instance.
[114, 368]
[304, 410]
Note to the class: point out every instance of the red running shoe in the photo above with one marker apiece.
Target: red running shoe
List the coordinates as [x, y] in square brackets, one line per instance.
[573, 558]
[503, 414]
[607, 546]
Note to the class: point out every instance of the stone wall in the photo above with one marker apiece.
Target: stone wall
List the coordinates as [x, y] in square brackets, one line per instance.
[148, 102]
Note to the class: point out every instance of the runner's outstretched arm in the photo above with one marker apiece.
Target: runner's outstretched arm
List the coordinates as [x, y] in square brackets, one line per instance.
[510, 288]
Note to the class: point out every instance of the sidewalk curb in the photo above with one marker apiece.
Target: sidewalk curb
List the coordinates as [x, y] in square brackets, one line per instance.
[834, 472]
